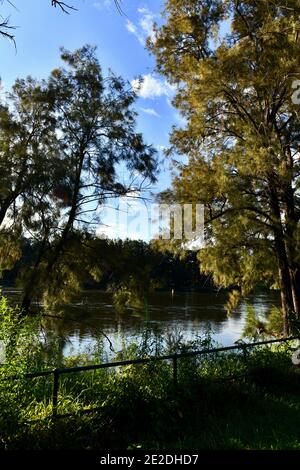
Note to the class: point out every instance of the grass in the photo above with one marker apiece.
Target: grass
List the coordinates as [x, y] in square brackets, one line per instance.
[139, 407]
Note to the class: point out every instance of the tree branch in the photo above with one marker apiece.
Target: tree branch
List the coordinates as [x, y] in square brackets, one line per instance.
[63, 6]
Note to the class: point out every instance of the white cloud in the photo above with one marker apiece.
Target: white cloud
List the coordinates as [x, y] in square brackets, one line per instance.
[134, 30]
[147, 22]
[151, 87]
[131, 27]
[111, 231]
[145, 26]
[129, 219]
[161, 148]
[150, 111]
[102, 4]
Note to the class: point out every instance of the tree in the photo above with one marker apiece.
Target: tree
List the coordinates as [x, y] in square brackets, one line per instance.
[242, 135]
[97, 155]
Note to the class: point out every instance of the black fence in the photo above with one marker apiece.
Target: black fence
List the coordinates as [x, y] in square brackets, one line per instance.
[56, 373]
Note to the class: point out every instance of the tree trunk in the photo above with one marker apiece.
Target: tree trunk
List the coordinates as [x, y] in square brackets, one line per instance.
[28, 292]
[72, 215]
[285, 281]
[291, 221]
[26, 302]
[3, 211]
[287, 305]
[291, 224]
[6, 203]
[295, 279]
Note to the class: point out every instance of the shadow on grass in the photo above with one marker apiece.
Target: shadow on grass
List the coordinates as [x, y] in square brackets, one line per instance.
[258, 412]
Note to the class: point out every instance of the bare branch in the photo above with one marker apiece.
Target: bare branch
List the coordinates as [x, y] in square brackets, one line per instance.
[63, 6]
[5, 29]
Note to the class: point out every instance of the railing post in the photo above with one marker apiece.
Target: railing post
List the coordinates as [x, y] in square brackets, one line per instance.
[175, 377]
[244, 349]
[55, 392]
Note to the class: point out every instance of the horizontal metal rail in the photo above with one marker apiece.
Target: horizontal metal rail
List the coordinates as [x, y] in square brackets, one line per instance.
[174, 357]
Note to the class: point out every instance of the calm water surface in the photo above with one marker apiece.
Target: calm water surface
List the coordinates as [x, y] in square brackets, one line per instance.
[188, 315]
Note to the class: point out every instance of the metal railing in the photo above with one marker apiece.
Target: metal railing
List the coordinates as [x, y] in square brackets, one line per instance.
[174, 357]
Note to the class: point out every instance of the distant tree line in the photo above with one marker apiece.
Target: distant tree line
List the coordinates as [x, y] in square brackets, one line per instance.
[135, 267]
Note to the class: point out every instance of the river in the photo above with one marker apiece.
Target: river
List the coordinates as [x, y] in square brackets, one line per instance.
[181, 315]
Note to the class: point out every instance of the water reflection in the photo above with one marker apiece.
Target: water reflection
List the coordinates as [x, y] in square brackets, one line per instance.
[93, 317]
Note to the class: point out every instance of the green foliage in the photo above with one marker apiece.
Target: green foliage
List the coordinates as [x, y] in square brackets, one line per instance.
[254, 326]
[18, 344]
[270, 325]
[275, 321]
[10, 250]
[63, 142]
[125, 295]
[17, 333]
[234, 90]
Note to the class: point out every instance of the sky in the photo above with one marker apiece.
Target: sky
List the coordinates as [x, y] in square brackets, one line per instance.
[120, 40]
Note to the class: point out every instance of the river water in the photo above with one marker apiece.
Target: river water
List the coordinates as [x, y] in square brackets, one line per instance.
[181, 315]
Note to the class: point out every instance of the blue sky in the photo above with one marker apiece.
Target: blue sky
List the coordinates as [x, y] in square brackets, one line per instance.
[42, 30]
